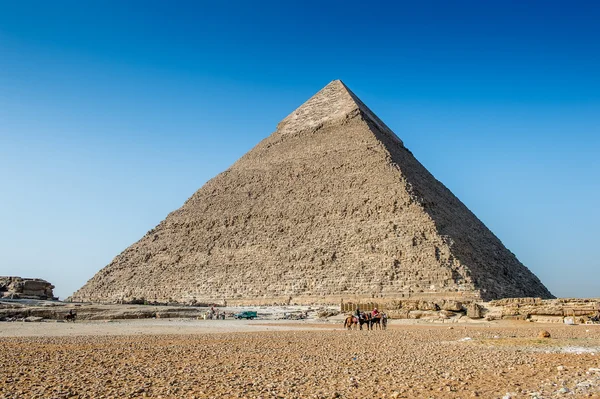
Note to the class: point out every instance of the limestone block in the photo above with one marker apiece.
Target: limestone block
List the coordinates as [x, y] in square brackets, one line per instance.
[547, 319]
[454, 306]
[474, 311]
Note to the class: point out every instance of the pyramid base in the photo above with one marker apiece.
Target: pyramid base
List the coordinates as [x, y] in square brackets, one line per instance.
[464, 296]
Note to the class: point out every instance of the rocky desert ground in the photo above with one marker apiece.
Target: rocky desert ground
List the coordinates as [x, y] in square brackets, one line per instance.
[185, 358]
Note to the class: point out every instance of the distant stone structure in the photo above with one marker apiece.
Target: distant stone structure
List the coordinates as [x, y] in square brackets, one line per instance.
[331, 207]
[25, 288]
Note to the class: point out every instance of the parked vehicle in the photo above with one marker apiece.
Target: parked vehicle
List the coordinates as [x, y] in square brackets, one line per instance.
[246, 315]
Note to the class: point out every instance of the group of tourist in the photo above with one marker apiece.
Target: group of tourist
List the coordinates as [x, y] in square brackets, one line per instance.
[374, 313]
[372, 319]
[214, 314]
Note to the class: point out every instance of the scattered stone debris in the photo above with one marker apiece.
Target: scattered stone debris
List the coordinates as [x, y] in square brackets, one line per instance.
[544, 334]
[421, 361]
[33, 319]
[325, 313]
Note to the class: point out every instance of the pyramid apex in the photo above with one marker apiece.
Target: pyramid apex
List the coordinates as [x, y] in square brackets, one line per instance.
[332, 89]
[333, 102]
[336, 82]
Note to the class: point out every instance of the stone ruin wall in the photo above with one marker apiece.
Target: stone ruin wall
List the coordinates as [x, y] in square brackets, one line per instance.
[561, 310]
[25, 288]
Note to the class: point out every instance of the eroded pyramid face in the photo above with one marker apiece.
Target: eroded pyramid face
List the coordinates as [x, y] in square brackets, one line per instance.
[329, 207]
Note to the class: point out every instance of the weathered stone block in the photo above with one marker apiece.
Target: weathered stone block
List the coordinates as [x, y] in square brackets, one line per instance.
[474, 311]
[454, 306]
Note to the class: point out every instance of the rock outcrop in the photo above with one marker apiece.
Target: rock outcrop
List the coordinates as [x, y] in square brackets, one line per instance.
[29, 288]
[45, 310]
[537, 309]
[332, 206]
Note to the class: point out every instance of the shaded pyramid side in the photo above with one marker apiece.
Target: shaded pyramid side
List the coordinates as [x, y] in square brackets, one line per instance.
[487, 264]
[331, 206]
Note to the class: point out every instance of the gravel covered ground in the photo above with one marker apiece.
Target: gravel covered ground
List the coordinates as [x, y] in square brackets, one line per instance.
[295, 360]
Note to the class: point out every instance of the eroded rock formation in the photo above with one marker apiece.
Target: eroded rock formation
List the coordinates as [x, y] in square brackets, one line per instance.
[28, 288]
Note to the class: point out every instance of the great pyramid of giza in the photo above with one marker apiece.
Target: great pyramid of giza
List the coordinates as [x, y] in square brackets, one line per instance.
[330, 207]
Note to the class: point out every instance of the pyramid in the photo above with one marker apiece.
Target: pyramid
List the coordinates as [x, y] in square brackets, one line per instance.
[330, 207]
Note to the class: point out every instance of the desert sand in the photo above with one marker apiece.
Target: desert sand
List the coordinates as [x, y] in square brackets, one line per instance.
[296, 359]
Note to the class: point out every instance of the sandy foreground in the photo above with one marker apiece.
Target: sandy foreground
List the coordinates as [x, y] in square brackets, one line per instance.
[179, 358]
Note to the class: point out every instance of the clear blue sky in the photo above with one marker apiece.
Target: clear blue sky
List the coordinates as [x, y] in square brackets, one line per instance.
[112, 113]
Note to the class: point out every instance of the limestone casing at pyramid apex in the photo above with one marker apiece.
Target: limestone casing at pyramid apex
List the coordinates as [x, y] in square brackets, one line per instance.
[332, 103]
